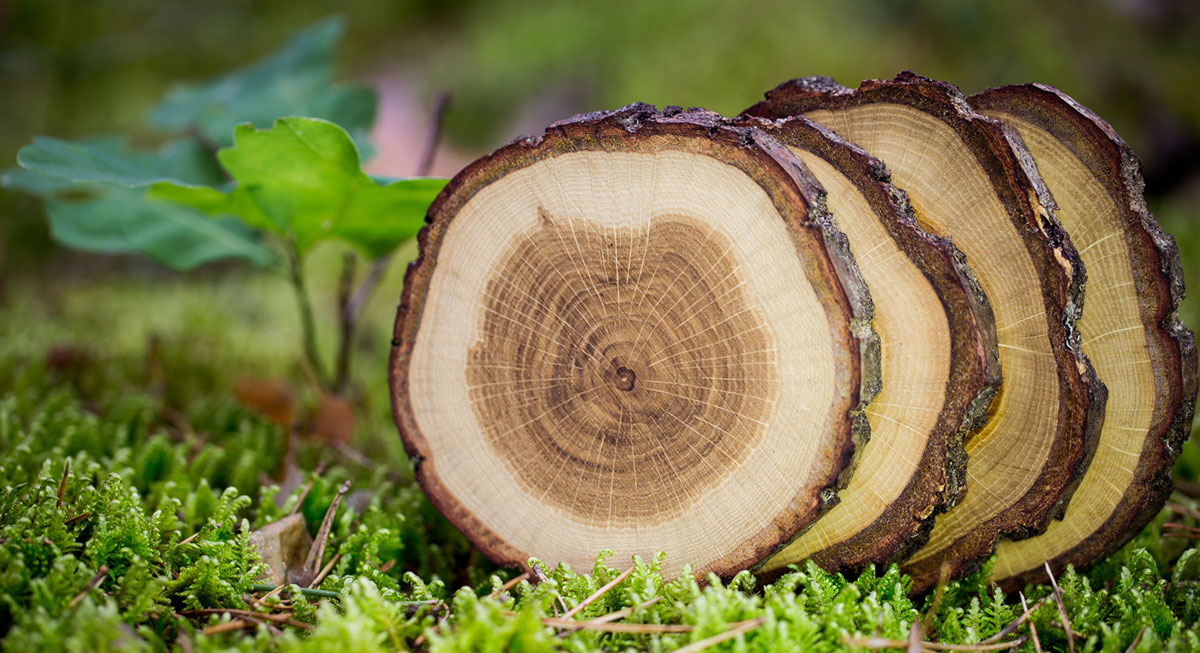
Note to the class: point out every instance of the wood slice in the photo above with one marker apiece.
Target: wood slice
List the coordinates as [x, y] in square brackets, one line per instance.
[971, 180]
[940, 366]
[638, 332]
[1130, 329]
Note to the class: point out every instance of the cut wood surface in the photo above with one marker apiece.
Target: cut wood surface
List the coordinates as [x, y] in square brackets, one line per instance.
[940, 367]
[969, 179]
[1129, 328]
[637, 332]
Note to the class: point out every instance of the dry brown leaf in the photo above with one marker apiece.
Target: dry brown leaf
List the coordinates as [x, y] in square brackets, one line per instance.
[275, 399]
[334, 420]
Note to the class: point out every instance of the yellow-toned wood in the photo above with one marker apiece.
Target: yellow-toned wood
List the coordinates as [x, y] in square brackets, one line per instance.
[951, 195]
[915, 346]
[938, 354]
[1140, 351]
[1113, 337]
[973, 182]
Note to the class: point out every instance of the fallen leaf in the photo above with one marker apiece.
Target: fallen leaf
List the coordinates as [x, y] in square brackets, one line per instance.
[283, 546]
[334, 420]
[273, 398]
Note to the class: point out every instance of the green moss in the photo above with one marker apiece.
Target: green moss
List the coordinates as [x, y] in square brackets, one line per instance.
[161, 495]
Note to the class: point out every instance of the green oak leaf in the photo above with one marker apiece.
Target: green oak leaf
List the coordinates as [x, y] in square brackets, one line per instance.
[297, 80]
[302, 179]
[96, 201]
[109, 161]
[121, 220]
[34, 183]
[213, 201]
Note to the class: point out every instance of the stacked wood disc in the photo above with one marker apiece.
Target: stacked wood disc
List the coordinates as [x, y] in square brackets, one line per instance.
[1130, 328]
[940, 369]
[969, 180]
[667, 331]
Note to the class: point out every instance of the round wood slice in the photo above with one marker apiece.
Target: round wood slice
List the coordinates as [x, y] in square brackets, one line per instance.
[1130, 329]
[639, 332]
[940, 366]
[969, 179]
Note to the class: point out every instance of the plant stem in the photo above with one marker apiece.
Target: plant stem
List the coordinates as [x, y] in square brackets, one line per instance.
[353, 307]
[303, 590]
[307, 324]
[346, 323]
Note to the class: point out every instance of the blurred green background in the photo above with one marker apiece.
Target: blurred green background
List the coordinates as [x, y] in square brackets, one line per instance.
[72, 68]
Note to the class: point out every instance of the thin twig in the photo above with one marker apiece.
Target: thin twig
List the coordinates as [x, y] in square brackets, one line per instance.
[881, 642]
[358, 301]
[243, 615]
[1011, 628]
[1136, 640]
[440, 105]
[184, 641]
[1188, 488]
[624, 612]
[387, 566]
[1183, 510]
[259, 600]
[915, 637]
[355, 456]
[1037, 644]
[509, 585]
[325, 594]
[734, 631]
[307, 323]
[1062, 610]
[236, 624]
[317, 550]
[95, 582]
[575, 624]
[998, 646]
[234, 612]
[325, 571]
[308, 488]
[938, 592]
[77, 518]
[598, 593]
[62, 485]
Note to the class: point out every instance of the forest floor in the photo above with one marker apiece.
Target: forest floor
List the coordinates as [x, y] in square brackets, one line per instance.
[149, 425]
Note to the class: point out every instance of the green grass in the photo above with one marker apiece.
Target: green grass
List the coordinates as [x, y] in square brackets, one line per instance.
[129, 382]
